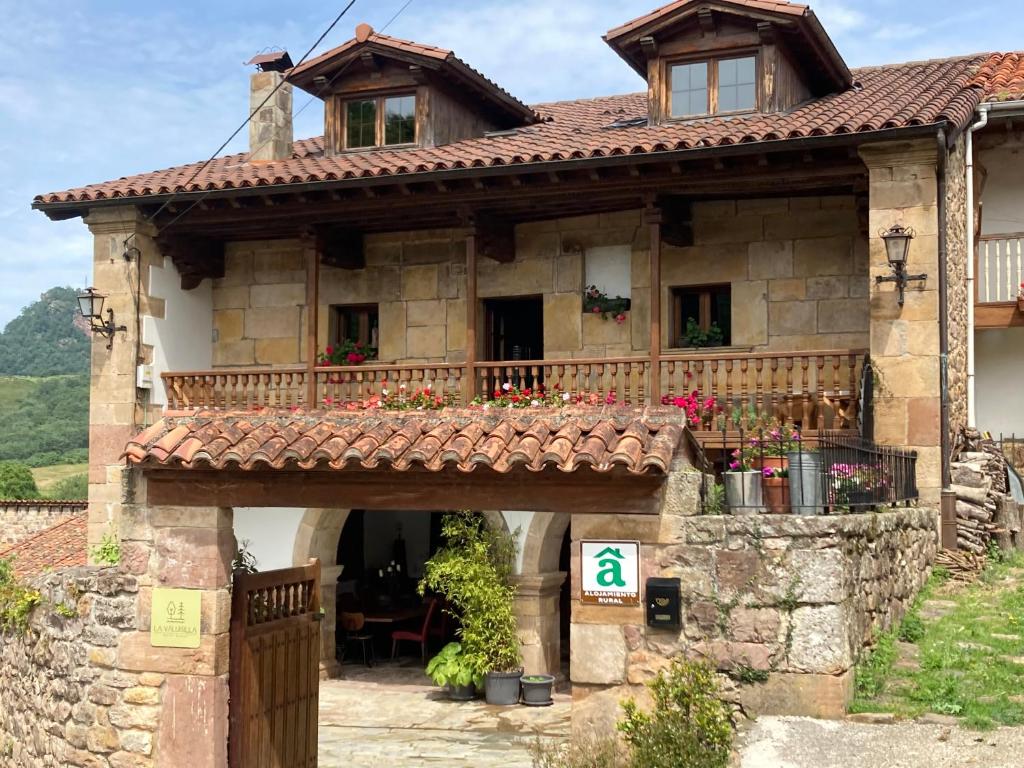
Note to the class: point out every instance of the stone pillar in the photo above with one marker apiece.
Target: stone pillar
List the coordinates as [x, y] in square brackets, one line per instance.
[270, 130]
[189, 548]
[905, 340]
[537, 610]
[113, 409]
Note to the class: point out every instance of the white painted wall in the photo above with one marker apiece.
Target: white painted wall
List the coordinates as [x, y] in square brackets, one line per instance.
[999, 380]
[270, 533]
[181, 339]
[1002, 195]
[609, 267]
[518, 524]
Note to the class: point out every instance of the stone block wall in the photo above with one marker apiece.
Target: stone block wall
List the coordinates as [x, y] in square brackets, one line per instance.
[788, 598]
[21, 519]
[957, 298]
[65, 701]
[797, 267]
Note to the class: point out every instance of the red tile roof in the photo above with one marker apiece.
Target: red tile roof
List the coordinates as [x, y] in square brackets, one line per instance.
[1002, 77]
[60, 546]
[603, 439]
[892, 96]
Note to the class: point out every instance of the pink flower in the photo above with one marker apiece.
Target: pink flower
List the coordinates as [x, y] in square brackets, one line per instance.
[620, 318]
[596, 310]
[734, 465]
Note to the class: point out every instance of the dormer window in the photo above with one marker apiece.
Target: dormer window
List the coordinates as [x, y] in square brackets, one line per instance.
[382, 121]
[712, 87]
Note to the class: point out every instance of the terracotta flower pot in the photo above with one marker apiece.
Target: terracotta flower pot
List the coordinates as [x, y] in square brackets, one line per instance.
[776, 495]
[1020, 303]
[773, 462]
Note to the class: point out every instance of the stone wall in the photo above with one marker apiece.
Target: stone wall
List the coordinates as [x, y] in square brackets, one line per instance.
[786, 599]
[797, 267]
[64, 700]
[957, 253]
[21, 519]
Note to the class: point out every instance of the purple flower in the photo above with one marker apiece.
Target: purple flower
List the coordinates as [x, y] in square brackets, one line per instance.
[734, 465]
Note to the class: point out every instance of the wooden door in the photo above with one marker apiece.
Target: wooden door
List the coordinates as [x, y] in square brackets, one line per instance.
[275, 668]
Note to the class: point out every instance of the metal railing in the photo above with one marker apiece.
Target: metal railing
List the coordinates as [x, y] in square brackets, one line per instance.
[784, 470]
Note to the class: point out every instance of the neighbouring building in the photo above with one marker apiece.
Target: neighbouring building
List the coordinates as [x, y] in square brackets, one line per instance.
[723, 231]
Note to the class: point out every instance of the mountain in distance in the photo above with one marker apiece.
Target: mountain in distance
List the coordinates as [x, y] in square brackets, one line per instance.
[48, 338]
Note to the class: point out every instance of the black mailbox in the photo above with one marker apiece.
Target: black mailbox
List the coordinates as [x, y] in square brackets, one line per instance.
[663, 602]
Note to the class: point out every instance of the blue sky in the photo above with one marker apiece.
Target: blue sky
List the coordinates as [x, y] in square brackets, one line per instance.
[96, 89]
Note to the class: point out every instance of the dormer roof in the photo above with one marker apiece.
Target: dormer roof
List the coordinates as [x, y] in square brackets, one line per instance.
[441, 61]
[824, 67]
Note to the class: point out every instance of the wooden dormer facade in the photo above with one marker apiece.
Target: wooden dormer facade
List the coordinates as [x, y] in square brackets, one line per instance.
[384, 93]
[711, 58]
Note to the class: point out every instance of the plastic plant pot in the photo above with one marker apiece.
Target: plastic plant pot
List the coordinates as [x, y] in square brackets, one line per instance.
[537, 690]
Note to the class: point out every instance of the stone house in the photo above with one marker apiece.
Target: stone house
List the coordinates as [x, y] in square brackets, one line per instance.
[739, 200]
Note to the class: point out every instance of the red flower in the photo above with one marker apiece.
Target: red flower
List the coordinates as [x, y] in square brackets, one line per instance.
[355, 357]
[596, 310]
[329, 351]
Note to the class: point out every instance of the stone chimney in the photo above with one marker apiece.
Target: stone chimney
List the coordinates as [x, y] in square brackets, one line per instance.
[270, 130]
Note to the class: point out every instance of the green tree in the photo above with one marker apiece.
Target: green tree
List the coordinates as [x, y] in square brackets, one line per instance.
[16, 481]
[44, 339]
[48, 424]
[74, 487]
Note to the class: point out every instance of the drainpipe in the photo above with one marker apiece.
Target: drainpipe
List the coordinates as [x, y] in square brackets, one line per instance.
[983, 110]
[944, 441]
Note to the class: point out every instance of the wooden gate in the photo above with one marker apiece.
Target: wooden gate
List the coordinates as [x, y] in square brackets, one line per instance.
[275, 668]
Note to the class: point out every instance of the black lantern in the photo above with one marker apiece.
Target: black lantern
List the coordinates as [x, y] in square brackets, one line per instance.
[90, 304]
[897, 245]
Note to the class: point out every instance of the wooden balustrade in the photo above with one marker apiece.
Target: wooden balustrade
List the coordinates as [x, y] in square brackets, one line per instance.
[623, 380]
[236, 388]
[817, 389]
[355, 384]
[1000, 268]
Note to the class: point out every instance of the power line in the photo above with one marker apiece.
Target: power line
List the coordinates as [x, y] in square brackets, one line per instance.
[313, 97]
[252, 114]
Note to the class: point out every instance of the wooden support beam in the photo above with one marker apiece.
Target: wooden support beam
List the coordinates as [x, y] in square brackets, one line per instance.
[195, 258]
[342, 247]
[653, 219]
[649, 46]
[495, 238]
[581, 492]
[676, 220]
[312, 250]
[707, 21]
[469, 382]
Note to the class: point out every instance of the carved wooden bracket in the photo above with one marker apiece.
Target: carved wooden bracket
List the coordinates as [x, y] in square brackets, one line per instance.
[707, 21]
[649, 45]
[195, 258]
[676, 220]
[495, 238]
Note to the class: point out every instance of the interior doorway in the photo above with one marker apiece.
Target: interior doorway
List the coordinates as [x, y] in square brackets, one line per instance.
[514, 328]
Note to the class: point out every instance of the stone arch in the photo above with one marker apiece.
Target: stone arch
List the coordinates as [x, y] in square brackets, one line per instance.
[317, 536]
[537, 600]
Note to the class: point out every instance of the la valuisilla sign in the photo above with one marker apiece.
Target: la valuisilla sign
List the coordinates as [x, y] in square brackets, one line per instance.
[610, 572]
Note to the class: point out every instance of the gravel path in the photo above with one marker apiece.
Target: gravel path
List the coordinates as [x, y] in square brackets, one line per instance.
[800, 742]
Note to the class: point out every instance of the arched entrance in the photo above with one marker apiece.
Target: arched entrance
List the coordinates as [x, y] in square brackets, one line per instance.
[543, 589]
[317, 537]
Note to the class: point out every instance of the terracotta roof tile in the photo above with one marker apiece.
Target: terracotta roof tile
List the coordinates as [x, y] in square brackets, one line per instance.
[637, 440]
[63, 545]
[1002, 77]
[892, 96]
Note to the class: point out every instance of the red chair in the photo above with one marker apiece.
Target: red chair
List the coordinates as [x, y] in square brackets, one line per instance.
[415, 637]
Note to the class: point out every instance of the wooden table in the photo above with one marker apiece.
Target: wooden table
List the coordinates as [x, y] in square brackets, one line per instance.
[395, 615]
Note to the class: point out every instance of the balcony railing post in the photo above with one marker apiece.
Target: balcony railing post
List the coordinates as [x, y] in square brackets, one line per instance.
[469, 380]
[311, 250]
[652, 216]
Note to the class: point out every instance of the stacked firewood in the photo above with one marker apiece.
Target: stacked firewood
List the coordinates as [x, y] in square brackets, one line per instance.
[984, 511]
[962, 566]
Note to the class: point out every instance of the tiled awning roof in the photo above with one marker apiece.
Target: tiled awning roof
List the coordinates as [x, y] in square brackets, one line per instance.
[603, 439]
[1002, 77]
[60, 546]
[892, 96]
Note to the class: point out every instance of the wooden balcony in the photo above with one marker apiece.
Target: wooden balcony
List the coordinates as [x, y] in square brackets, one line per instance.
[816, 389]
[999, 272]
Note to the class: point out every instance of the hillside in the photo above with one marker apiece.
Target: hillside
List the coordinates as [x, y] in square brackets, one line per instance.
[44, 339]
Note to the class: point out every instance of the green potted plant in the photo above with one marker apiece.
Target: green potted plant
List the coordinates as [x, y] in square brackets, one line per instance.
[537, 690]
[472, 571]
[454, 671]
[695, 336]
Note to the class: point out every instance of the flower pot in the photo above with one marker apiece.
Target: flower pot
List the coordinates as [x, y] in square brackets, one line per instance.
[743, 492]
[502, 688]
[805, 482]
[537, 690]
[776, 495]
[462, 692]
[772, 462]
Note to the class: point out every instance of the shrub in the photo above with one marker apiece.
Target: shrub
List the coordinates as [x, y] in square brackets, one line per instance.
[593, 753]
[16, 481]
[108, 551]
[689, 726]
[73, 487]
[16, 600]
[472, 571]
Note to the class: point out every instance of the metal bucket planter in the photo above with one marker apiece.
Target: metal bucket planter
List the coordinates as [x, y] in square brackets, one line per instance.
[805, 482]
[537, 690]
[743, 492]
[502, 688]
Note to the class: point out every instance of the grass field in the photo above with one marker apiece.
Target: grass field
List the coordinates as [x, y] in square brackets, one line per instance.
[47, 476]
[14, 388]
[959, 652]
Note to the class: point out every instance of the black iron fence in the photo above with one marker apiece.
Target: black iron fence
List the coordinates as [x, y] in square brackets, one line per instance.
[778, 471]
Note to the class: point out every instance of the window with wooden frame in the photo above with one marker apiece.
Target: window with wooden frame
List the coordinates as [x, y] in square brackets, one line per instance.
[380, 121]
[702, 316]
[712, 87]
[356, 323]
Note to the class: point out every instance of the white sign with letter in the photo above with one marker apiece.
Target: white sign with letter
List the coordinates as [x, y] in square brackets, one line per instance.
[610, 572]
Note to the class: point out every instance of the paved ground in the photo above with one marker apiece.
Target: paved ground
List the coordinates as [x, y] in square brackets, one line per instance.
[395, 717]
[799, 742]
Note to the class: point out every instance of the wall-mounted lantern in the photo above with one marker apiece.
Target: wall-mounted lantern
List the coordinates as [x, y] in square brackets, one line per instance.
[90, 304]
[897, 245]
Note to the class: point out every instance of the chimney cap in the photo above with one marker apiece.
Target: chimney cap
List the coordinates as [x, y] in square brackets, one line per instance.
[272, 61]
[363, 32]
